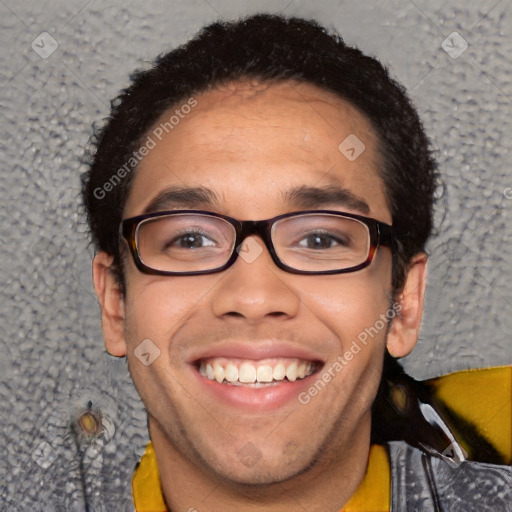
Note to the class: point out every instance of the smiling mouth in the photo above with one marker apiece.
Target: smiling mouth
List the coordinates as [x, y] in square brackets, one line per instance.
[255, 374]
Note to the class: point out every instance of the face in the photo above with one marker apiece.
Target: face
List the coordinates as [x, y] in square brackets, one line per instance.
[251, 144]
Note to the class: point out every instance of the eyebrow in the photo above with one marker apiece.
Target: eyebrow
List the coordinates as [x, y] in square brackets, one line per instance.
[307, 197]
[183, 197]
[302, 197]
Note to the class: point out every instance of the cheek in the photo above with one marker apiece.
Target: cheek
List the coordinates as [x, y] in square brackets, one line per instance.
[156, 306]
[347, 304]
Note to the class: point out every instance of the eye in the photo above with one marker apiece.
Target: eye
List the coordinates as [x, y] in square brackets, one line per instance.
[191, 240]
[321, 241]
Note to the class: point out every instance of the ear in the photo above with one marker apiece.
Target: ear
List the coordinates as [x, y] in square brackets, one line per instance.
[405, 326]
[111, 303]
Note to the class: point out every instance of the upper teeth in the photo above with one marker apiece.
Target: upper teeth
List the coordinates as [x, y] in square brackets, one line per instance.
[222, 369]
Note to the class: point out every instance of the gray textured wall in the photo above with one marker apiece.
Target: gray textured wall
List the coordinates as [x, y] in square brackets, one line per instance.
[52, 360]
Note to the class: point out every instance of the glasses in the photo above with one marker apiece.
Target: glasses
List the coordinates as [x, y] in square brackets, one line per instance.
[192, 242]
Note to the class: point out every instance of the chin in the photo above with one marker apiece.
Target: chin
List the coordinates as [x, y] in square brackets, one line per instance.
[257, 477]
[250, 468]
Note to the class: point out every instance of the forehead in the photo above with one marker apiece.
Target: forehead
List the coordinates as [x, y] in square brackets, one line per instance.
[249, 142]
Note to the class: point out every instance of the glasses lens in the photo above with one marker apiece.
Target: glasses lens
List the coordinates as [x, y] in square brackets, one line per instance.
[321, 242]
[185, 242]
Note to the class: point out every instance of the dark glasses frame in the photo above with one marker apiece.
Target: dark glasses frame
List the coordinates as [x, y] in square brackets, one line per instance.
[380, 234]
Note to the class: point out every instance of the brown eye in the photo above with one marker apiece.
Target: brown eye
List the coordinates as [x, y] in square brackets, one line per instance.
[320, 241]
[192, 241]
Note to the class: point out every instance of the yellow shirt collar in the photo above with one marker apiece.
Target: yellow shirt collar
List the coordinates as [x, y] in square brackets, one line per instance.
[373, 495]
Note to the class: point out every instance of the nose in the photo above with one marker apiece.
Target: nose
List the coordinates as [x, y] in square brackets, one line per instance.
[254, 288]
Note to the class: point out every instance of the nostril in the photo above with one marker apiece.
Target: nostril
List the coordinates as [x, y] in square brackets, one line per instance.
[234, 314]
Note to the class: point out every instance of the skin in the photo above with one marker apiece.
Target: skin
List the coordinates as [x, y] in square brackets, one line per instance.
[249, 142]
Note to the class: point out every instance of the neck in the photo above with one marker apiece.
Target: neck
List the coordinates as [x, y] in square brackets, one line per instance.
[325, 486]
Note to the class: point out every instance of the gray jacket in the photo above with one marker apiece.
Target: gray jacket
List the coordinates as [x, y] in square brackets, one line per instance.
[419, 483]
[425, 483]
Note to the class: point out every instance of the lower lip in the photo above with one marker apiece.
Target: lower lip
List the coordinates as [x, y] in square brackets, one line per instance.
[266, 398]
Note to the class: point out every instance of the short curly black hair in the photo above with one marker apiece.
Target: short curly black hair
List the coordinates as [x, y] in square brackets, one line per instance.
[267, 47]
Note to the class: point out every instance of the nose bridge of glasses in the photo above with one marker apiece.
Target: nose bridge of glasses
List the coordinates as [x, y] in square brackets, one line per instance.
[259, 228]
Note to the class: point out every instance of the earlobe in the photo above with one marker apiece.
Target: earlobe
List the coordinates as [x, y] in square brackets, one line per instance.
[111, 303]
[405, 327]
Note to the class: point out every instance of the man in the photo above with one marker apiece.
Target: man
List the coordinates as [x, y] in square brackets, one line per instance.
[260, 201]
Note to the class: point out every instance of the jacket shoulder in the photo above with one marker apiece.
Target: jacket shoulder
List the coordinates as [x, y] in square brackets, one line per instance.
[425, 483]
